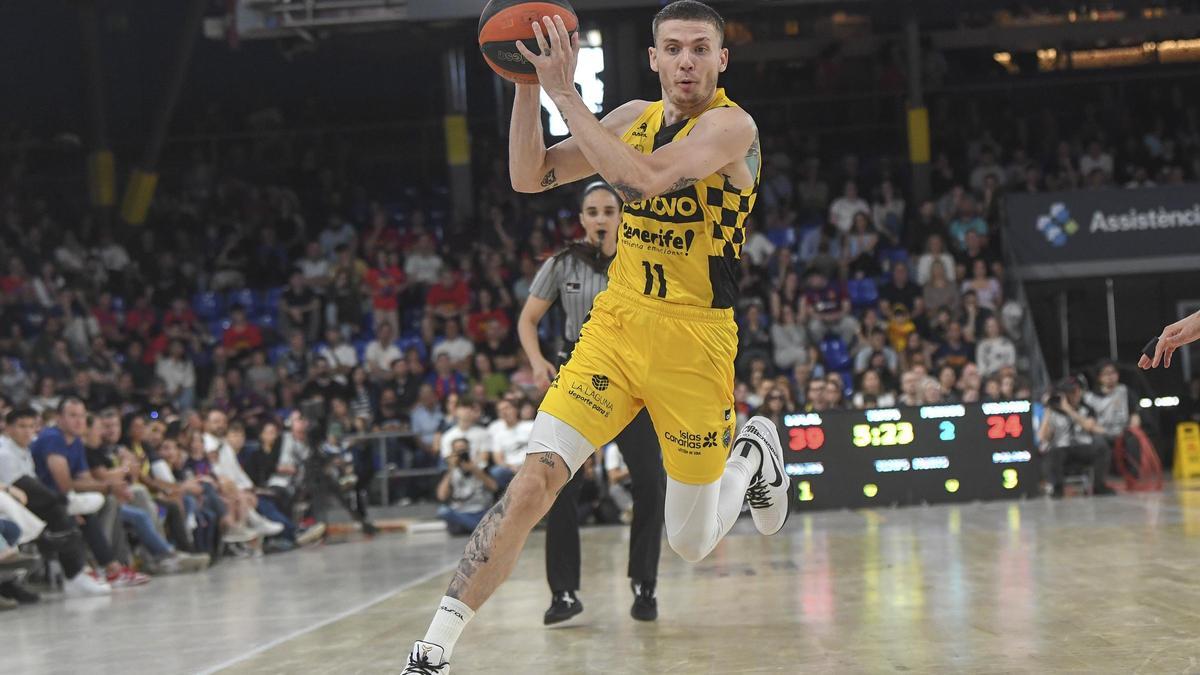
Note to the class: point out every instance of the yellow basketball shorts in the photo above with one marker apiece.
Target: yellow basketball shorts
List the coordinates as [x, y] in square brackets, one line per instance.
[674, 360]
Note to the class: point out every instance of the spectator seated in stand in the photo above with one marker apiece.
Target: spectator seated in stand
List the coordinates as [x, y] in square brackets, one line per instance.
[827, 309]
[508, 439]
[465, 490]
[1070, 434]
[61, 538]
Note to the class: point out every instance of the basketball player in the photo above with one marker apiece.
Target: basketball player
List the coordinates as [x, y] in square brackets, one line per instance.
[575, 276]
[662, 336]
[1182, 332]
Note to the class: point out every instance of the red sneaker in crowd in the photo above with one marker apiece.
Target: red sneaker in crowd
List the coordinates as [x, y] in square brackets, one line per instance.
[125, 577]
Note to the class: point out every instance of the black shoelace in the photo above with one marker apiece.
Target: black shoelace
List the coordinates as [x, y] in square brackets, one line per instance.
[422, 666]
[758, 494]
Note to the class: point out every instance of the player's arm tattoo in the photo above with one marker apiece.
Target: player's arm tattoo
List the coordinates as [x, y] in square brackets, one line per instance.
[681, 184]
[628, 192]
[754, 156]
[479, 548]
[547, 459]
[549, 180]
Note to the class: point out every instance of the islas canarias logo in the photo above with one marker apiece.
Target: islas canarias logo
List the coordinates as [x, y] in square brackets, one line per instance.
[1058, 226]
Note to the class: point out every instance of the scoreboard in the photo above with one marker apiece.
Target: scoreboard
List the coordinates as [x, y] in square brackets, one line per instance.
[898, 456]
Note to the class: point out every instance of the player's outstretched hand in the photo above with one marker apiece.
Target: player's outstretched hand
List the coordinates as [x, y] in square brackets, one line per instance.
[1178, 334]
[559, 52]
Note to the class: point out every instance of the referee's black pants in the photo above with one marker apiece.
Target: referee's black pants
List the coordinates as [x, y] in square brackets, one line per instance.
[640, 448]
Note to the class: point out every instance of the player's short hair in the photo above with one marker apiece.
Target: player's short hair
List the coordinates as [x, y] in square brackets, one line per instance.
[689, 10]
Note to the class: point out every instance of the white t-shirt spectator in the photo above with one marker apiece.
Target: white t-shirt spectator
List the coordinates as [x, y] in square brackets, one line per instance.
[989, 295]
[176, 375]
[1113, 410]
[613, 459]
[884, 400]
[423, 268]
[1088, 164]
[889, 217]
[511, 442]
[15, 461]
[314, 269]
[381, 356]
[458, 349]
[992, 354]
[843, 210]
[332, 237]
[292, 453]
[341, 356]
[981, 172]
[789, 344]
[925, 262]
[758, 249]
[114, 257]
[161, 471]
[227, 465]
[478, 437]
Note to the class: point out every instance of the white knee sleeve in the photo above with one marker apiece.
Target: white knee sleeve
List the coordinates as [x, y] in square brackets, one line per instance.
[690, 518]
[551, 434]
[696, 517]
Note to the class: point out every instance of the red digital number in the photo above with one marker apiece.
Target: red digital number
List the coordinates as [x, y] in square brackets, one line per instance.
[806, 438]
[1013, 426]
[1001, 427]
[995, 427]
[816, 437]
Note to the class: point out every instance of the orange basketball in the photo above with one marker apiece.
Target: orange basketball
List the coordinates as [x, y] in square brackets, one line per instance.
[504, 22]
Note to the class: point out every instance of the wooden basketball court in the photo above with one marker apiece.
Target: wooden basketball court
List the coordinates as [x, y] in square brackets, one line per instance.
[1075, 586]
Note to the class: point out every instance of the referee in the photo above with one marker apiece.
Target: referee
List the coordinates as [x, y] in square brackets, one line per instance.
[575, 276]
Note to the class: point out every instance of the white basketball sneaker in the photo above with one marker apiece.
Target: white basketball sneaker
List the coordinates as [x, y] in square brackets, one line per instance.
[426, 659]
[768, 491]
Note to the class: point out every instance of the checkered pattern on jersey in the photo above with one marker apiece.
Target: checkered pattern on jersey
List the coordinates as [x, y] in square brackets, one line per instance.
[732, 206]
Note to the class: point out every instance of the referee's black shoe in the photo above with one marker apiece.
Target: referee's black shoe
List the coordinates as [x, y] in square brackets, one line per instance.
[645, 606]
[563, 606]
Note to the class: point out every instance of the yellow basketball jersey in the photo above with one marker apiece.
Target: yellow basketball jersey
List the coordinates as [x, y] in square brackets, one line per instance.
[683, 247]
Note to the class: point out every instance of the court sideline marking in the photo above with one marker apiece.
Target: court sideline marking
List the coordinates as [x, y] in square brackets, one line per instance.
[325, 622]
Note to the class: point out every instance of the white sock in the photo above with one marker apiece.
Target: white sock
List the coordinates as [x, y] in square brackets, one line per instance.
[749, 463]
[448, 623]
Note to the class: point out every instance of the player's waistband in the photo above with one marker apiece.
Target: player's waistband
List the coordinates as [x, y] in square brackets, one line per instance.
[670, 309]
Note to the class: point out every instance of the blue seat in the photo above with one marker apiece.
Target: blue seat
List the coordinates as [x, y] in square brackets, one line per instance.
[207, 305]
[848, 378]
[217, 327]
[835, 353]
[243, 298]
[266, 321]
[784, 237]
[277, 353]
[890, 256]
[411, 319]
[360, 348]
[412, 342]
[803, 232]
[863, 292]
[118, 304]
[269, 302]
